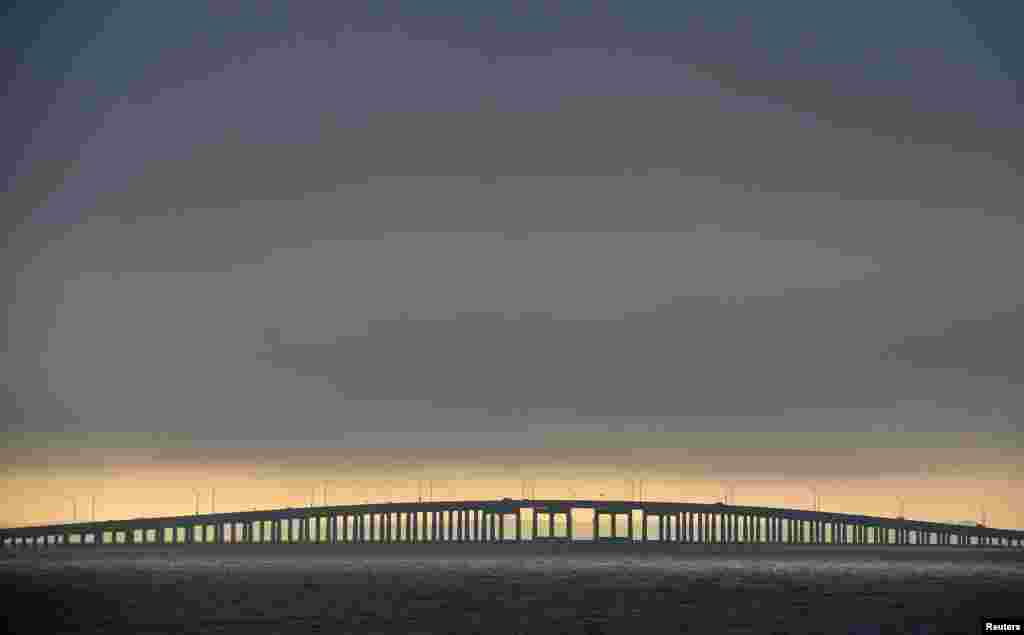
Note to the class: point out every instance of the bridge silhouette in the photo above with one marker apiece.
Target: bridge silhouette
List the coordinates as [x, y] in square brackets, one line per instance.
[487, 521]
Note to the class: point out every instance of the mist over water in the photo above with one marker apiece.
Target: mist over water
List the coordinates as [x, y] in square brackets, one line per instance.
[514, 590]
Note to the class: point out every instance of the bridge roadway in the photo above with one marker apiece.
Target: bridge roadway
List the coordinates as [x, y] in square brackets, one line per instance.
[487, 521]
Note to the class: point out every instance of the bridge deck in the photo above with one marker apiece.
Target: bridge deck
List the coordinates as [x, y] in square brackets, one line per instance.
[487, 520]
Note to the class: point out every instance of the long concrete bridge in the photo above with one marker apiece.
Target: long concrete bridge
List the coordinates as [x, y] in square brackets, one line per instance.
[509, 520]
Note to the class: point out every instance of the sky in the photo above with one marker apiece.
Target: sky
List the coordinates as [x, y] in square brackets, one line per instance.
[260, 246]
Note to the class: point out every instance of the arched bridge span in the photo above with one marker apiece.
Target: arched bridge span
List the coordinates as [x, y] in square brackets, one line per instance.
[509, 520]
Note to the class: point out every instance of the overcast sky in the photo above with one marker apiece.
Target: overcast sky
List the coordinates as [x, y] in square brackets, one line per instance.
[269, 226]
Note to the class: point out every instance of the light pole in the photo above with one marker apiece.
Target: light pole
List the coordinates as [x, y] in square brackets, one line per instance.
[74, 508]
[94, 508]
[195, 493]
[213, 493]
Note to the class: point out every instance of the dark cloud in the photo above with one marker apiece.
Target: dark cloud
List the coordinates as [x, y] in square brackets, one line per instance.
[983, 348]
[697, 356]
[246, 168]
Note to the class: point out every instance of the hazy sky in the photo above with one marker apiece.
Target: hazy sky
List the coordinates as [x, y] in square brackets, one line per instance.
[688, 242]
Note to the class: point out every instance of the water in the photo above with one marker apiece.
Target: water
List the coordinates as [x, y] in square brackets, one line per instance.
[509, 589]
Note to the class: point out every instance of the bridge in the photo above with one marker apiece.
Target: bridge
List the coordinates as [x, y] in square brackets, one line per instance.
[531, 520]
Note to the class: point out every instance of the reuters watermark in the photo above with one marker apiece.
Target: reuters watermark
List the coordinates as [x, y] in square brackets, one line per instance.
[1002, 625]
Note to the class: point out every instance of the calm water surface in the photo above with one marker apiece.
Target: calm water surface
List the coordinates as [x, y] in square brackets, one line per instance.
[498, 590]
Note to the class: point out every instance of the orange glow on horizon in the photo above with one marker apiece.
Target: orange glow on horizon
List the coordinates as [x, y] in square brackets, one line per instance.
[32, 500]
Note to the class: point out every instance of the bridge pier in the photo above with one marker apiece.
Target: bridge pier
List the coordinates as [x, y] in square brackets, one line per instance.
[467, 522]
